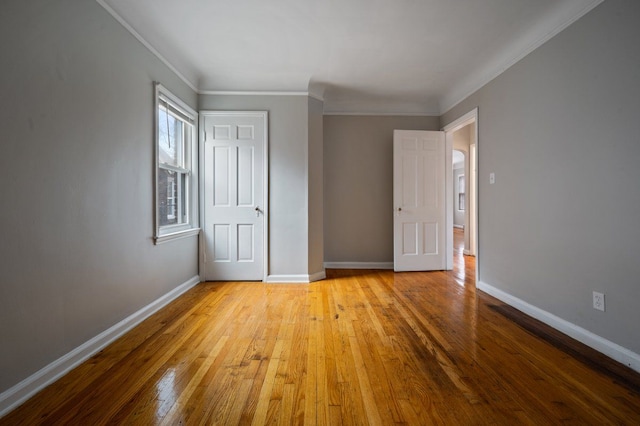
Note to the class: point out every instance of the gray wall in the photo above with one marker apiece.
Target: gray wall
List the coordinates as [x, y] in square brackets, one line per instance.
[288, 174]
[76, 112]
[316, 187]
[560, 131]
[358, 185]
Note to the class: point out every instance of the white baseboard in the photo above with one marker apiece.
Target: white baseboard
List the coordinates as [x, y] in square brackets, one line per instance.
[289, 279]
[297, 279]
[18, 394]
[358, 265]
[607, 347]
[282, 279]
[459, 226]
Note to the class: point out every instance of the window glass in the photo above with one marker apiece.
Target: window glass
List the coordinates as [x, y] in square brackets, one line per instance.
[171, 138]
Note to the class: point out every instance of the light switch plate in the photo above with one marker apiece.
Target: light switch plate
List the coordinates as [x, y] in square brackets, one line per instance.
[492, 178]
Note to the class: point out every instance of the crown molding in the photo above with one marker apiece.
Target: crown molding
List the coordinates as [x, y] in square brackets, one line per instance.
[316, 96]
[251, 93]
[446, 103]
[146, 44]
[384, 114]
[476, 82]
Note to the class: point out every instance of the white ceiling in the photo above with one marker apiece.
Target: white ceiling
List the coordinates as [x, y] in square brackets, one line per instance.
[360, 56]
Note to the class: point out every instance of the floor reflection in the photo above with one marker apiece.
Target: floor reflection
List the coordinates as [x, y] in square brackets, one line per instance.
[463, 266]
[166, 393]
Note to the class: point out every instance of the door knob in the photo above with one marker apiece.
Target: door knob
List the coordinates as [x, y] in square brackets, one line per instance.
[257, 209]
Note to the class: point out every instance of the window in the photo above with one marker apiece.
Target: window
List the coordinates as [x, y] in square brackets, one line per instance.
[461, 192]
[176, 167]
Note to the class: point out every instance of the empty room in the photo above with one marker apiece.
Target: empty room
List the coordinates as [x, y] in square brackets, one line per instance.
[320, 212]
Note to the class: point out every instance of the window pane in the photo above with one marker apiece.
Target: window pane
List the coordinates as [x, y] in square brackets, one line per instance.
[172, 197]
[171, 138]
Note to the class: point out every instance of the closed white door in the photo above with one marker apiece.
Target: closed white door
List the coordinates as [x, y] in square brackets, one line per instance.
[419, 185]
[235, 153]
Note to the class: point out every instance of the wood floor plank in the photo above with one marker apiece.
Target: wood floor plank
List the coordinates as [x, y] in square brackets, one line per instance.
[361, 347]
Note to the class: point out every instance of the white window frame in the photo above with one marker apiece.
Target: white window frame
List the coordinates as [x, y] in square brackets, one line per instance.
[190, 170]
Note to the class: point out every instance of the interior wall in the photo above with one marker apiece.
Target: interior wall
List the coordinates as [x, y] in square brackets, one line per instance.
[559, 129]
[358, 184]
[288, 174]
[76, 114]
[316, 187]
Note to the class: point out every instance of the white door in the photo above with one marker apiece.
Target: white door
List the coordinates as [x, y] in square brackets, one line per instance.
[235, 165]
[419, 197]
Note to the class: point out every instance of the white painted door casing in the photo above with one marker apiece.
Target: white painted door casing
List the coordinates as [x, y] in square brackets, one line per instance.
[235, 199]
[419, 196]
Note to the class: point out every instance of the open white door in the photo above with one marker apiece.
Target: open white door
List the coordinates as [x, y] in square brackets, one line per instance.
[419, 197]
[235, 170]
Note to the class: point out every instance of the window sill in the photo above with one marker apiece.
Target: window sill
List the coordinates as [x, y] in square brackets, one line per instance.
[160, 239]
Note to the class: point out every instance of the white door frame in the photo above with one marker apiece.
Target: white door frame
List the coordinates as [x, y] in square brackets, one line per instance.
[469, 118]
[265, 179]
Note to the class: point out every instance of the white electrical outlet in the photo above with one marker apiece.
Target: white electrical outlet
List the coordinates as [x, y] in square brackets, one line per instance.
[598, 301]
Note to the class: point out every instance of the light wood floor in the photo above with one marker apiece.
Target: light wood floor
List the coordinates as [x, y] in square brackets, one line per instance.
[362, 347]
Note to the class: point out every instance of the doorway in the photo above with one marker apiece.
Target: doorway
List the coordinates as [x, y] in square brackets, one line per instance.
[462, 135]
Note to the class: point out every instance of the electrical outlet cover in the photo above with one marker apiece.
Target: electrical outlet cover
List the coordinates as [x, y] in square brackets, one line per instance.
[598, 301]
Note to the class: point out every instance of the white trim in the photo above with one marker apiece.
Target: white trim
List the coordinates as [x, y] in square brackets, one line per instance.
[448, 196]
[288, 279]
[315, 96]
[473, 192]
[470, 117]
[251, 93]
[161, 239]
[265, 201]
[458, 226]
[173, 232]
[18, 394]
[386, 114]
[460, 122]
[450, 100]
[607, 347]
[146, 44]
[265, 179]
[202, 246]
[358, 265]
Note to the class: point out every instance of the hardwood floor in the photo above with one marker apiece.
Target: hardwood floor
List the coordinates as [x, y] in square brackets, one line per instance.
[361, 347]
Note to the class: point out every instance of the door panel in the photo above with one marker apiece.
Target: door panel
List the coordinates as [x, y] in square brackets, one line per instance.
[419, 200]
[221, 247]
[234, 195]
[221, 179]
[246, 190]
